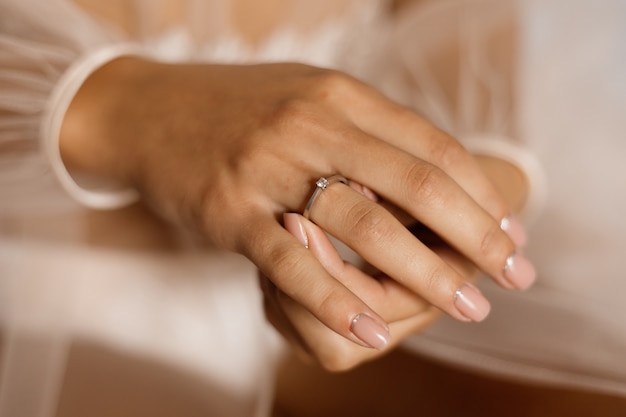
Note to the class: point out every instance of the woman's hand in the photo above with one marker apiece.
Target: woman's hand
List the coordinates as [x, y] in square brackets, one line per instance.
[226, 149]
[404, 311]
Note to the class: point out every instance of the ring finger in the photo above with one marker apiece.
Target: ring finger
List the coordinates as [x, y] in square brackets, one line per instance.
[379, 238]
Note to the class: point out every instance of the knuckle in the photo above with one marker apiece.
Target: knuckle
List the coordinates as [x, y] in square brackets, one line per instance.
[494, 246]
[366, 223]
[432, 279]
[286, 264]
[246, 154]
[448, 152]
[437, 284]
[288, 113]
[332, 78]
[327, 303]
[425, 183]
[332, 83]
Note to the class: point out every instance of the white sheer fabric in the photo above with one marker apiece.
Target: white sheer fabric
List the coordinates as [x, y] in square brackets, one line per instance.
[48, 49]
[563, 97]
[63, 275]
[58, 283]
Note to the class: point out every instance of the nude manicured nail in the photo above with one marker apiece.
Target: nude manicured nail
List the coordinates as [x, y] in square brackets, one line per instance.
[362, 189]
[471, 303]
[513, 227]
[370, 194]
[519, 272]
[370, 332]
[294, 225]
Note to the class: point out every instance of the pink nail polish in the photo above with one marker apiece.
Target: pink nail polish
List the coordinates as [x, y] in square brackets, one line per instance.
[471, 303]
[362, 189]
[370, 194]
[513, 227]
[370, 332]
[519, 271]
[294, 225]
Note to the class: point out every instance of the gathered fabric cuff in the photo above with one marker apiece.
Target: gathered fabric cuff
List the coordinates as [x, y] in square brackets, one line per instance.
[521, 157]
[93, 192]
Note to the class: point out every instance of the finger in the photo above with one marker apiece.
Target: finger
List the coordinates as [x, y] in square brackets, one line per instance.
[429, 195]
[380, 239]
[403, 128]
[390, 299]
[335, 353]
[296, 272]
[457, 261]
[386, 296]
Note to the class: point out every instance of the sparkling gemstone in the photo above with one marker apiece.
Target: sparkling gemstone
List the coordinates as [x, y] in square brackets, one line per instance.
[322, 183]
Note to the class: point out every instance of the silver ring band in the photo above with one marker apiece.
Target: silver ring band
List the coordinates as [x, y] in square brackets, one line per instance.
[321, 185]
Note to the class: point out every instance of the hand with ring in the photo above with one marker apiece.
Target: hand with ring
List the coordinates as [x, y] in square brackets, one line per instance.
[403, 311]
[227, 149]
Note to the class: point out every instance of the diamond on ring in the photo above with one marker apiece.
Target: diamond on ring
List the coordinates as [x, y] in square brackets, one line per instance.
[321, 185]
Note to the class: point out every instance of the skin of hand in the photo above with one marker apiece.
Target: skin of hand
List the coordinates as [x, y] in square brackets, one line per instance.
[405, 312]
[226, 149]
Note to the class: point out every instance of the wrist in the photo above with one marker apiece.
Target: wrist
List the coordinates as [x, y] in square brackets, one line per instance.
[86, 140]
[74, 130]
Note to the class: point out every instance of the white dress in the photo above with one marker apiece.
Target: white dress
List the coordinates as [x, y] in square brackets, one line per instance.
[564, 98]
[68, 273]
[63, 278]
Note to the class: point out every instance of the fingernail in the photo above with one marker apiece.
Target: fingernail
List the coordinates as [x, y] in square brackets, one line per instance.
[471, 303]
[370, 332]
[295, 227]
[519, 272]
[513, 227]
[360, 188]
[370, 194]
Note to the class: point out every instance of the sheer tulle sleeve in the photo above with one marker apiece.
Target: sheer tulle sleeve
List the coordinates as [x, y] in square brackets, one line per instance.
[508, 71]
[47, 49]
